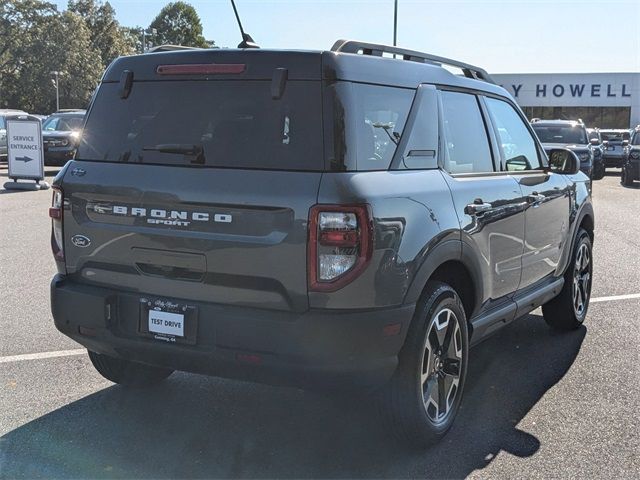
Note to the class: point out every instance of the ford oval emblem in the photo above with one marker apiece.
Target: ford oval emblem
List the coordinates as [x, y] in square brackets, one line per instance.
[81, 241]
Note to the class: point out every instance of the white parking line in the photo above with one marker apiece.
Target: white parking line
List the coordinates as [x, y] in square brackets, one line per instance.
[82, 351]
[615, 297]
[41, 355]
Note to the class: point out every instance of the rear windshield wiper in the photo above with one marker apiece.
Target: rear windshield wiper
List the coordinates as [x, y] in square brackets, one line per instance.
[180, 149]
[386, 127]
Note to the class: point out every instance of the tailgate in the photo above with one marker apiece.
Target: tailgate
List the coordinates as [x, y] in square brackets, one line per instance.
[225, 236]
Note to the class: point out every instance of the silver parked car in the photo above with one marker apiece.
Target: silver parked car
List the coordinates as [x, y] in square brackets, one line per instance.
[4, 113]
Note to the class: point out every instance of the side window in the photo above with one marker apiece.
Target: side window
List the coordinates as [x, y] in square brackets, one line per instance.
[517, 143]
[467, 145]
[381, 114]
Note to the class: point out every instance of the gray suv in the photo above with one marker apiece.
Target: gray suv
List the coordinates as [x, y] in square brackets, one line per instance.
[326, 219]
[573, 135]
[615, 142]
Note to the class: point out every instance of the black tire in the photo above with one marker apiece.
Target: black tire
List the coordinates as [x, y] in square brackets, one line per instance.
[406, 402]
[568, 310]
[626, 179]
[124, 372]
[598, 172]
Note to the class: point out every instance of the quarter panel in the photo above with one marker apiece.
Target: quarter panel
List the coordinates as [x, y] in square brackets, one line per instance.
[412, 213]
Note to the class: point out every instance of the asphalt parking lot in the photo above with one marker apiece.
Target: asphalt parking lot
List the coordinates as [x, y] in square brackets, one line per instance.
[537, 404]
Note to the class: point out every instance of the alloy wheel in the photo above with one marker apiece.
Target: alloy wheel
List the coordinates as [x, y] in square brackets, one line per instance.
[581, 280]
[441, 365]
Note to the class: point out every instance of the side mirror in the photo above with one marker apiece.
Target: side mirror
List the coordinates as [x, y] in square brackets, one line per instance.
[594, 142]
[625, 143]
[518, 164]
[562, 160]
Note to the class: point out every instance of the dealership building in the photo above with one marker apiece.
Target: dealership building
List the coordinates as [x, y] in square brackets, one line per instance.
[605, 100]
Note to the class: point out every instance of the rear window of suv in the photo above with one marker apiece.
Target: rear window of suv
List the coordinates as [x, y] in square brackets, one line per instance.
[234, 124]
[612, 137]
[561, 134]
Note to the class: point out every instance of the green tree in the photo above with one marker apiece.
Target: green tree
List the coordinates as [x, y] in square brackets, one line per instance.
[178, 23]
[106, 34]
[80, 63]
[133, 37]
[39, 40]
[22, 22]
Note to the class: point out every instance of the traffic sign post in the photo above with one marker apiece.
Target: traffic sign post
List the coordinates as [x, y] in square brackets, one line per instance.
[25, 154]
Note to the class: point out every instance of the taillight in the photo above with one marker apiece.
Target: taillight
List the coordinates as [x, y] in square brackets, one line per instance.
[340, 245]
[55, 212]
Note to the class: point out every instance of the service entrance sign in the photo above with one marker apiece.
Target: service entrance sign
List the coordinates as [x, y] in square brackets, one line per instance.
[24, 145]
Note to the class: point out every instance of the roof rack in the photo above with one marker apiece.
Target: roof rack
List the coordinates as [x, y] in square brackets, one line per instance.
[169, 48]
[363, 48]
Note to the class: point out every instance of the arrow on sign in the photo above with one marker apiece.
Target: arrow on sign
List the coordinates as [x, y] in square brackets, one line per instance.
[24, 159]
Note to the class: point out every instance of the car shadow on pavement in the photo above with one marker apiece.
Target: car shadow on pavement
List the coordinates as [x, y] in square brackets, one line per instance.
[197, 427]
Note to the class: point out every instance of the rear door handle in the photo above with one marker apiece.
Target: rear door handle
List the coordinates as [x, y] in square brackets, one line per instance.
[478, 207]
[535, 198]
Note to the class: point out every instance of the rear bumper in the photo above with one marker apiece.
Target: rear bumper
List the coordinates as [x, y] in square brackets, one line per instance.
[317, 348]
[613, 161]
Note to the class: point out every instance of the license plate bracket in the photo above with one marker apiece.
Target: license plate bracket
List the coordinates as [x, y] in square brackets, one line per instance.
[167, 320]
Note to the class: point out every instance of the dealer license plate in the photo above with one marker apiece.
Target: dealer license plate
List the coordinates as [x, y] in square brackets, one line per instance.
[166, 323]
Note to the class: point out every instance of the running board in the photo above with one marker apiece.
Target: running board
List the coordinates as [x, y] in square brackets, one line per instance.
[490, 322]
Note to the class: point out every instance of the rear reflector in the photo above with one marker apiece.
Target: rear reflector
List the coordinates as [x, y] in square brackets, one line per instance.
[87, 332]
[392, 330]
[201, 69]
[252, 359]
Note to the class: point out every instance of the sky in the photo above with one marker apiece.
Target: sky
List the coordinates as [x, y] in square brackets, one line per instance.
[507, 36]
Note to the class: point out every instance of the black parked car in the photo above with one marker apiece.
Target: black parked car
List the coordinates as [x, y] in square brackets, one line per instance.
[337, 219]
[61, 133]
[631, 165]
[595, 139]
[569, 134]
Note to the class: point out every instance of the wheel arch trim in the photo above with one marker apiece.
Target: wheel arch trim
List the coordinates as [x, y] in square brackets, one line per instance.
[586, 210]
[450, 250]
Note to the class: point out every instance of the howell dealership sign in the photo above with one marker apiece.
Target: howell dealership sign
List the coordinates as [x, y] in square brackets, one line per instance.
[575, 90]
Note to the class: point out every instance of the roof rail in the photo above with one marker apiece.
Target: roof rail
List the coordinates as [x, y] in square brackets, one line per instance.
[169, 48]
[354, 46]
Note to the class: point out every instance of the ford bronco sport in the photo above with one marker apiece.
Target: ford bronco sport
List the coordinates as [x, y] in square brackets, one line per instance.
[321, 219]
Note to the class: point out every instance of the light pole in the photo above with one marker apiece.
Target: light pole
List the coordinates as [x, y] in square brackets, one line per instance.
[145, 32]
[56, 73]
[395, 23]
